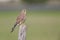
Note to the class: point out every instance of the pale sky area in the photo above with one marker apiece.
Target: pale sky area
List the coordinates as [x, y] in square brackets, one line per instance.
[7, 0]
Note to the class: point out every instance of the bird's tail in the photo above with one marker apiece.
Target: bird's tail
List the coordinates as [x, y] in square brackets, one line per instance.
[14, 27]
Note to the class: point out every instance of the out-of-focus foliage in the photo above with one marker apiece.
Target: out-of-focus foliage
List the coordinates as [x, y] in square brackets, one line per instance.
[35, 1]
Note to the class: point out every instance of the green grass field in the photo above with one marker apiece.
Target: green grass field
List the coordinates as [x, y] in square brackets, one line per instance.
[42, 25]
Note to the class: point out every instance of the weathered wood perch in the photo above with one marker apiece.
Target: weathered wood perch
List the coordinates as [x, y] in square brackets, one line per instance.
[22, 32]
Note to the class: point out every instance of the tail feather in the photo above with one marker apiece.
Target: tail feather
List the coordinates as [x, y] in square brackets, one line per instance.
[14, 27]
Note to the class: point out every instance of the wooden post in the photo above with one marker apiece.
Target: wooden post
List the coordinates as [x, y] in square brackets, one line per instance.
[22, 32]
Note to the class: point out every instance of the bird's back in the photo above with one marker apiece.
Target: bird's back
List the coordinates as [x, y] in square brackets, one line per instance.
[20, 17]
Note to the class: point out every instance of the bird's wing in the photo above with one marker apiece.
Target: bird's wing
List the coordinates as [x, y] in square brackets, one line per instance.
[19, 18]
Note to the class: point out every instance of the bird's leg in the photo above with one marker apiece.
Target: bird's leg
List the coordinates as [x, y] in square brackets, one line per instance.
[19, 24]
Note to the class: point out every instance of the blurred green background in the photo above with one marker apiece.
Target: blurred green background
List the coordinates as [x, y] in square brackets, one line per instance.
[42, 25]
[43, 19]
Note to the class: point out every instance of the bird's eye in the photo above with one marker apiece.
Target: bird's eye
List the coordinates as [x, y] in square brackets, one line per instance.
[24, 10]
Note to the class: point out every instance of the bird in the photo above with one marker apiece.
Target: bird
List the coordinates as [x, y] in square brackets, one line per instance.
[20, 19]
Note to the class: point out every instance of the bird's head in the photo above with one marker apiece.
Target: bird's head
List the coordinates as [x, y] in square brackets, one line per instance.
[24, 11]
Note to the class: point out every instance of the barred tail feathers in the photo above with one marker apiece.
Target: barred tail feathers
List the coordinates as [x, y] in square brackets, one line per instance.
[14, 27]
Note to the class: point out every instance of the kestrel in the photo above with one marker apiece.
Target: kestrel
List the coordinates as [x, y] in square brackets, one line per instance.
[20, 19]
